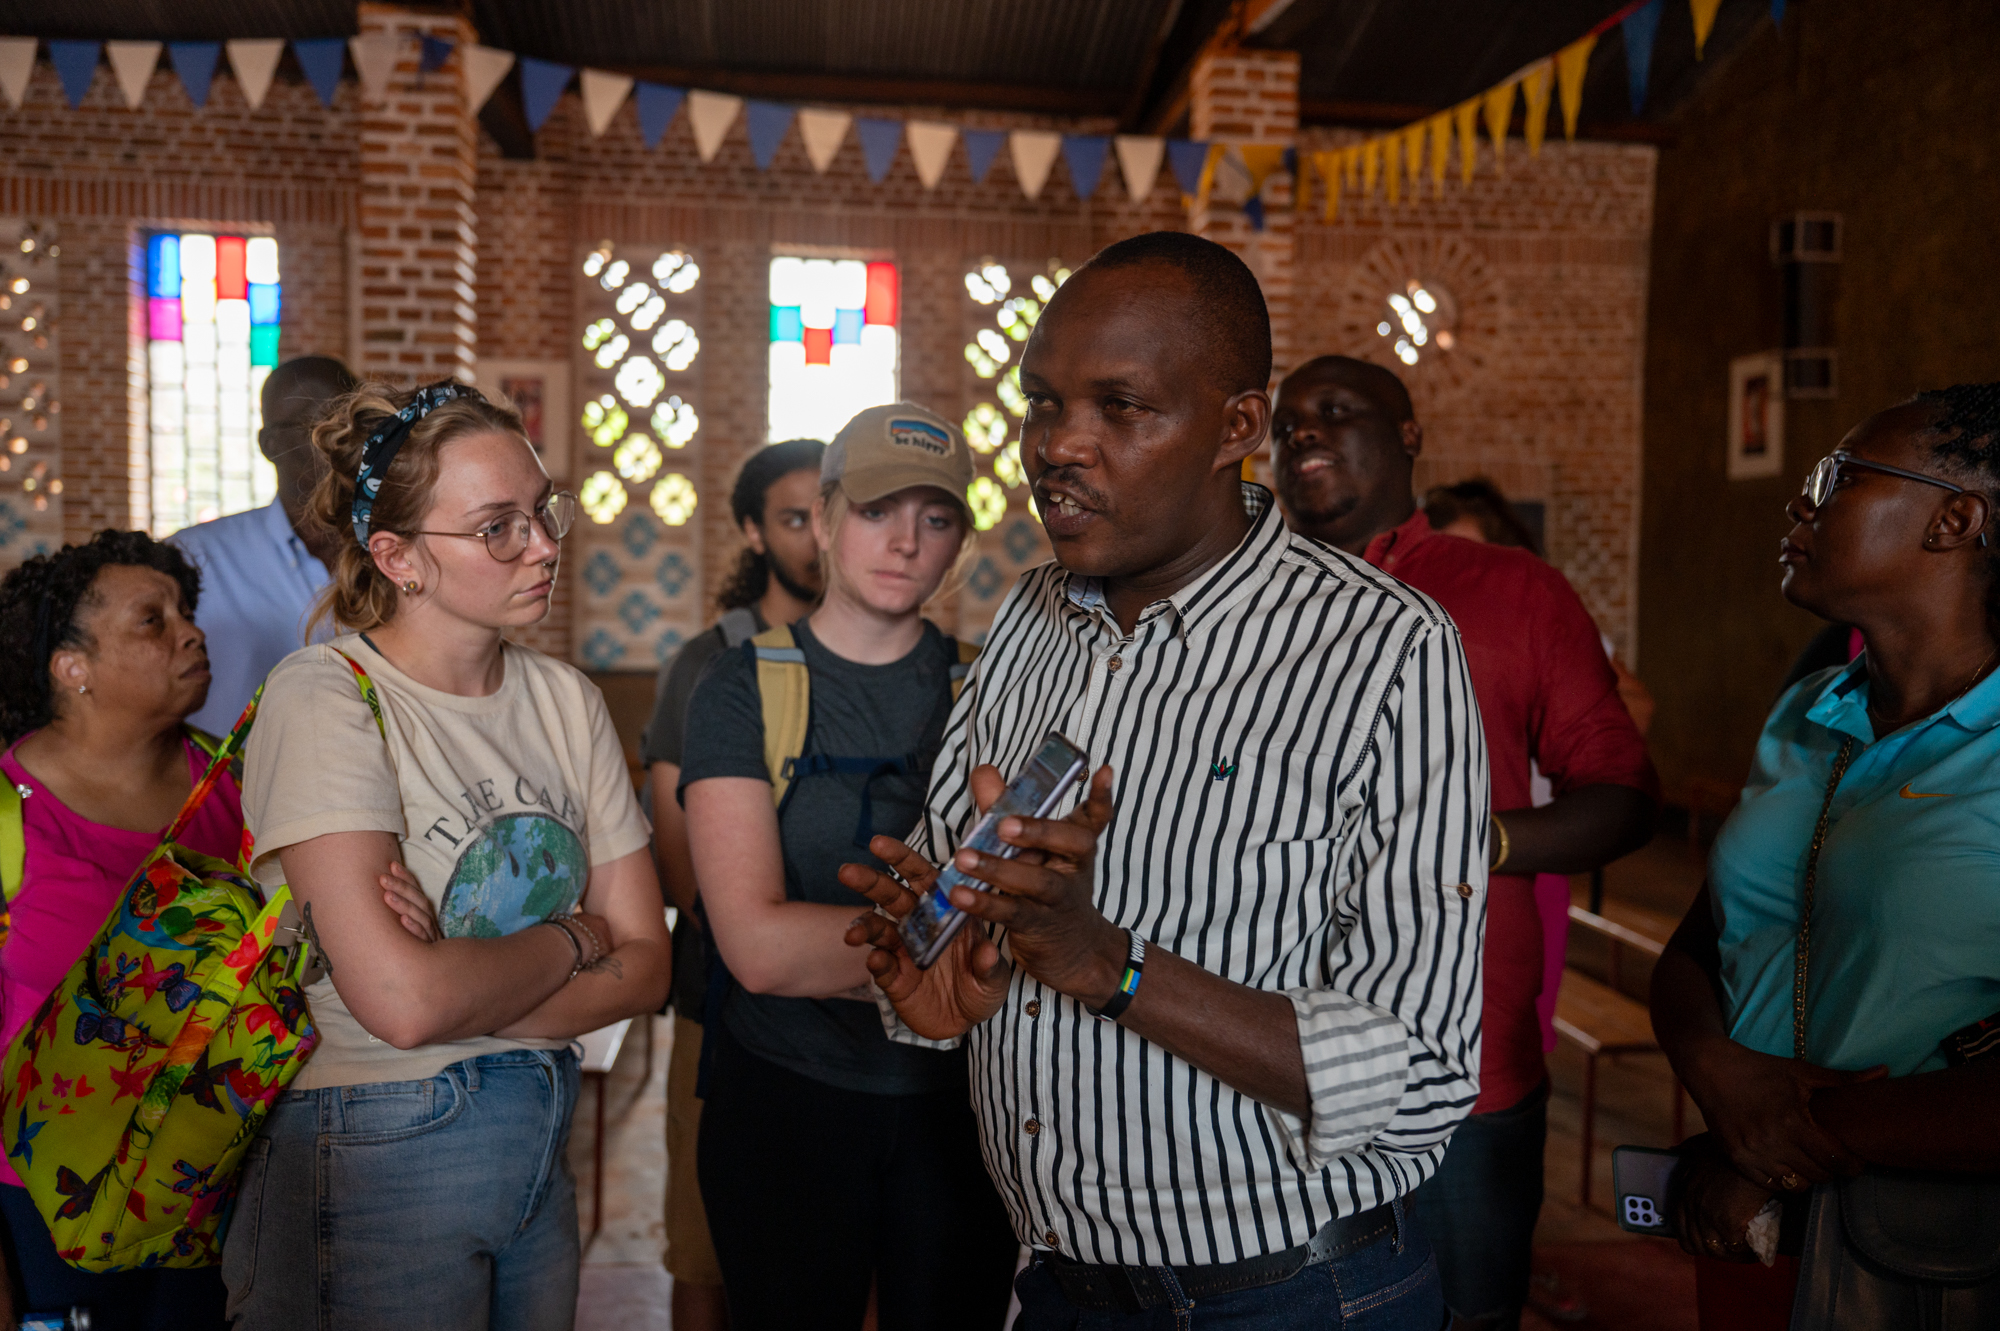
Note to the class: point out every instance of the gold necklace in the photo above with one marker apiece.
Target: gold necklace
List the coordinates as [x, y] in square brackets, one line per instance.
[1873, 715]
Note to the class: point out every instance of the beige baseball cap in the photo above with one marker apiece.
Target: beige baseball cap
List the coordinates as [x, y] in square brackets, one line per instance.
[886, 449]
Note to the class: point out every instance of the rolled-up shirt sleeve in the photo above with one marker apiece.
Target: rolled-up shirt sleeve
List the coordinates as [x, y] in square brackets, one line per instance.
[1391, 1038]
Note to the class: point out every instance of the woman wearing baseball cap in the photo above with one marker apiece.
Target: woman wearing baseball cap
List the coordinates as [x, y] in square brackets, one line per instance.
[800, 746]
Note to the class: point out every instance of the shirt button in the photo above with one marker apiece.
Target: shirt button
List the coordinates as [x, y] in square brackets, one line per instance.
[1051, 1239]
[1032, 1127]
[1034, 1008]
[1113, 664]
[1465, 891]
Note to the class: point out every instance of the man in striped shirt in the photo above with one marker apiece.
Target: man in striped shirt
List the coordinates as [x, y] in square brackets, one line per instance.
[1275, 888]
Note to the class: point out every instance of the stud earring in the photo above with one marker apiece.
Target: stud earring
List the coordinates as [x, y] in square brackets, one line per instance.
[410, 587]
[83, 688]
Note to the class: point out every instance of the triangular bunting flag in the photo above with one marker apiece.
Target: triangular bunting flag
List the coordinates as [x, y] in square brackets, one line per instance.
[322, 59]
[823, 132]
[711, 114]
[1253, 209]
[432, 52]
[1440, 151]
[254, 60]
[1371, 166]
[1777, 11]
[17, 66]
[981, 147]
[657, 104]
[1465, 120]
[1571, 64]
[1228, 177]
[1139, 157]
[1535, 98]
[1328, 165]
[879, 141]
[1413, 153]
[1499, 108]
[484, 68]
[1034, 152]
[1084, 153]
[542, 85]
[76, 63]
[768, 122]
[374, 61]
[603, 94]
[1393, 177]
[1350, 163]
[1263, 160]
[195, 63]
[1704, 21]
[1187, 157]
[930, 148]
[1639, 30]
[133, 63]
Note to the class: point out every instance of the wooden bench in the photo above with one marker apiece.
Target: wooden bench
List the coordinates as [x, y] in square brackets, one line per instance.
[1602, 1021]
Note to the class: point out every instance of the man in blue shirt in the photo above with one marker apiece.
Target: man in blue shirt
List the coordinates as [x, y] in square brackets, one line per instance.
[260, 570]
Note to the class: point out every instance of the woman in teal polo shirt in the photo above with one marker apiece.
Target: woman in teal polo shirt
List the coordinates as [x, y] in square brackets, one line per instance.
[1872, 815]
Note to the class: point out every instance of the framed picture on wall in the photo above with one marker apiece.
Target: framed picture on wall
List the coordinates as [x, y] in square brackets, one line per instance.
[1756, 415]
[539, 390]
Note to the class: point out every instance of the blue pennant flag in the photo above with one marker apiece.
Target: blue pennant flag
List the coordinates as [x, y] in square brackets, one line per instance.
[657, 104]
[768, 123]
[432, 52]
[195, 63]
[322, 58]
[1639, 31]
[77, 63]
[981, 147]
[1085, 155]
[1187, 157]
[879, 141]
[1777, 11]
[542, 82]
[1253, 208]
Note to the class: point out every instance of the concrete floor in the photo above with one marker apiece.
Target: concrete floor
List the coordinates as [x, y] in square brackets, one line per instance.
[1626, 1281]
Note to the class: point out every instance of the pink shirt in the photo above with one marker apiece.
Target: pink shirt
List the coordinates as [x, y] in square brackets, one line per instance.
[75, 873]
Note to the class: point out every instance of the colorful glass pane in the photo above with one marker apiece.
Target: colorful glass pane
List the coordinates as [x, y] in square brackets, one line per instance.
[819, 346]
[885, 299]
[263, 303]
[674, 499]
[847, 327]
[785, 324]
[830, 353]
[230, 279]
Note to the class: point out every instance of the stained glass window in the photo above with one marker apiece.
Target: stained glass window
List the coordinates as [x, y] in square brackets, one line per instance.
[833, 343]
[644, 354]
[212, 320]
[1008, 307]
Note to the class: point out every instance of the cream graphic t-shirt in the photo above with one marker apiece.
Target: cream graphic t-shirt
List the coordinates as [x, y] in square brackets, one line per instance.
[501, 805]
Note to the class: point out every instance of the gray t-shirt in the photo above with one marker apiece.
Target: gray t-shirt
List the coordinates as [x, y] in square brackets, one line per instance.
[895, 711]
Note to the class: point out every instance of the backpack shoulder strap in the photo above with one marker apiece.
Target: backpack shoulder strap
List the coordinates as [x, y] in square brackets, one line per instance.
[968, 652]
[784, 685]
[738, 627]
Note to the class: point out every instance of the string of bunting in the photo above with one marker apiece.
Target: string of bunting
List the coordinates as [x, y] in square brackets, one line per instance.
[1225, 173]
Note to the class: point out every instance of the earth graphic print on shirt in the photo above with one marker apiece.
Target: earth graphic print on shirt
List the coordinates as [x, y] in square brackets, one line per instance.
[521, 869]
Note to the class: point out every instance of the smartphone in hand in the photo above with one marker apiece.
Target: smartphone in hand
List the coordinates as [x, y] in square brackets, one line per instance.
[1056, 766]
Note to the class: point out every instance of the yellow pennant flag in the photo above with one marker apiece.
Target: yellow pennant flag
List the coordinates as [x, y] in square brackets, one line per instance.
[1216, 152]
[1371, 166]
[1571, 62]
[1263, 160]
[1704, 20]
[1440, 150]
[1535, 95]
[1499, 110]
[1395, 165]
[1350, 162]
[1466, 114]
[1413, 152]
[1330, 165]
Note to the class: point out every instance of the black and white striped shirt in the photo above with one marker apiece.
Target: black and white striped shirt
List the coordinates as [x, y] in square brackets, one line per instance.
[1301, 807]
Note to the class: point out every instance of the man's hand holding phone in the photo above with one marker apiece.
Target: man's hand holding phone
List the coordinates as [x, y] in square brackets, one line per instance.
[1044, 897]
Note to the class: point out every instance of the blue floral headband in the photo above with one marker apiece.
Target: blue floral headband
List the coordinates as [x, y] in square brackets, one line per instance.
[382, 446]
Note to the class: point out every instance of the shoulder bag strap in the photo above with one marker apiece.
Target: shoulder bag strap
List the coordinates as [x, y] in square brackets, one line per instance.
[784, 687]
[13, 843]
[1802, 956]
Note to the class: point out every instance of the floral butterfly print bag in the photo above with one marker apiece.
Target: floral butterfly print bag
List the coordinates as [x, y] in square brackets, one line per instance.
[190, 1004]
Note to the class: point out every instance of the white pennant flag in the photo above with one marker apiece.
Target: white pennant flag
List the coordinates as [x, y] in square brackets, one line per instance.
[1034, 152]
[711, 114]
[603, 94]
[1139, 159]
[17, 66]
[255, 60]
[374, 60]
[930, 148]
[823, 131]
[133, 63]
[484, 68]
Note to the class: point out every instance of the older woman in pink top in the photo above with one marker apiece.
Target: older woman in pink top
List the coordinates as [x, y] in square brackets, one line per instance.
[100, 665]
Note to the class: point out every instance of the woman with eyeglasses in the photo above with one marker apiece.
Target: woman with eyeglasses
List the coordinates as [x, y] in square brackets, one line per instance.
[454, 814]
[1830, 993]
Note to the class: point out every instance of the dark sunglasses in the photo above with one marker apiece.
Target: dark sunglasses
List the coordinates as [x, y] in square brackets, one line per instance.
[1825, 474]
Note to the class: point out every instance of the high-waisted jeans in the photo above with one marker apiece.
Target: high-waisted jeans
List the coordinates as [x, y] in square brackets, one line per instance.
[437, 1205]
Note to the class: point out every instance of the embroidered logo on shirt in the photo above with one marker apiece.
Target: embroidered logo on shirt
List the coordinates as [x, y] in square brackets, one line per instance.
[1909, 794]
[1222, 769]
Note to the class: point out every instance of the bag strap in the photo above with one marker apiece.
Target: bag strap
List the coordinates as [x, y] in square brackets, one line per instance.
[13, 842]
[1802, 956]
[784, 687]
[968, 652]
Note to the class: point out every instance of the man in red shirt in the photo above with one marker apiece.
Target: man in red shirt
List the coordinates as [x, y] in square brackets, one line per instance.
[1346, 437]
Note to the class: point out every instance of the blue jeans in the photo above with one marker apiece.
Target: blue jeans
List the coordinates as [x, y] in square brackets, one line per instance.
[1480, 1210]
[1390, 1285]
[438, 1205]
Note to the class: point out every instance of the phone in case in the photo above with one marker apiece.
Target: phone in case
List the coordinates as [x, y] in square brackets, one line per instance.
[1639, 1179]
[1056, 766]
